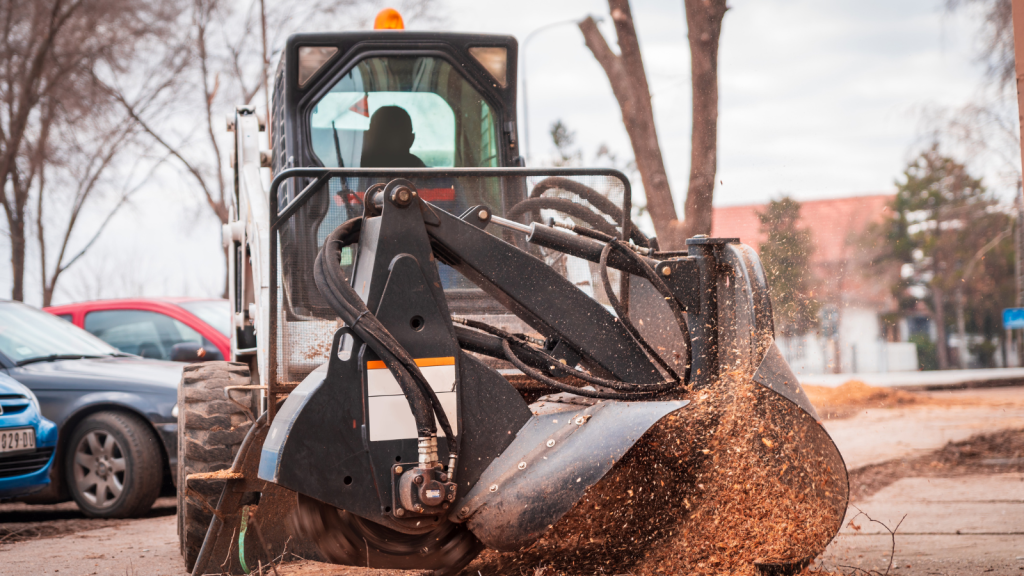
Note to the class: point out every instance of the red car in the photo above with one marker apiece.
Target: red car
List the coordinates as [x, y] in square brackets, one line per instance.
[182, 329]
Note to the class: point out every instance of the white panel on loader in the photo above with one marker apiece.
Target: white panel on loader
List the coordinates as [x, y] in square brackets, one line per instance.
[390, 416]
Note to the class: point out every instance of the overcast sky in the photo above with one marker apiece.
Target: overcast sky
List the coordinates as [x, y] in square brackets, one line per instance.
[818, 99]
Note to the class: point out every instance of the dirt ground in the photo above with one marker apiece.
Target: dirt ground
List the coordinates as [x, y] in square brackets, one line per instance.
[952, 462]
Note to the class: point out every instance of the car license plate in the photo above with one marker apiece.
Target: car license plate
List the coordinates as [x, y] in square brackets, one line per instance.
[17, 440]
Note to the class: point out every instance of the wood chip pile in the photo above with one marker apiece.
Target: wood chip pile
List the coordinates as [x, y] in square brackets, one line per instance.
[739, 476]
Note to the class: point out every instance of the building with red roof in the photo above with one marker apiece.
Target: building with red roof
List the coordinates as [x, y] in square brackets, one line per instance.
[852, 297]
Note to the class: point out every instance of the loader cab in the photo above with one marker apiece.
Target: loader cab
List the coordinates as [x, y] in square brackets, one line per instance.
[390, 99]
[396, 99]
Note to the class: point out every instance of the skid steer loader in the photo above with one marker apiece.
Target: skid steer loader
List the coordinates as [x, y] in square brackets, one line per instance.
[436, 350]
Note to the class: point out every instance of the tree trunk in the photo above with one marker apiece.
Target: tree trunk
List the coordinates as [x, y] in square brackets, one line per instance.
[938, 298]
[629, 83]
[17, 231]
[704, 20]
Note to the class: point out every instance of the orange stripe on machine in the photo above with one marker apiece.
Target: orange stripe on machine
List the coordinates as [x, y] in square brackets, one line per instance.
[421, 362]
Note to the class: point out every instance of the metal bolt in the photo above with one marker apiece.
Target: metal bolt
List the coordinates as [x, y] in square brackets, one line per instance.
[418, 479]
[494, 487]
[401, 196]
[443, 477]
[452, 497]
[444, 505]
[398, 469]
[483, 214]
[551, 443]
[464, 511]
[399, 512]
[522, 465]
[419, 508]
[580, 420]
[666, 271]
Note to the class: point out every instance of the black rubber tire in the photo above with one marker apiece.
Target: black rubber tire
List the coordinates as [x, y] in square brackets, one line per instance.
[343, 538]
[137, 448]
[210, 431]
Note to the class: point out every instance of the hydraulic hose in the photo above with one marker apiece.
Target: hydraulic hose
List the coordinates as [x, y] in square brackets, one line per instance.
[531, 361]
[662, 289]
[595, 198]
[564, 206]
[605, 232]
[343, 299]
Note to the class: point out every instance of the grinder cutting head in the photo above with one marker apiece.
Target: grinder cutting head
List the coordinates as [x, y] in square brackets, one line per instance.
[654, 389]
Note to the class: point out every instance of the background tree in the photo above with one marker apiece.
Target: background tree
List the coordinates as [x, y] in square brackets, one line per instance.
[950, 236]
[235, 49]
[564, 140]
[996, 38]
[628, 79]
[50, 54]
[786, 257]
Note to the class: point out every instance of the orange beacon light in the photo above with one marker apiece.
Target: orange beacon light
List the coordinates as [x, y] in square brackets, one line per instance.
[388, 19]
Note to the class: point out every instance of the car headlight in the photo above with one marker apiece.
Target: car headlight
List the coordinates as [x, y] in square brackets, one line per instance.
[174, 411]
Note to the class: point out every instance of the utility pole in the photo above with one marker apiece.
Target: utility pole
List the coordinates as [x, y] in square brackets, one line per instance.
[266, 72]
[1019, 261]
[1017, 7]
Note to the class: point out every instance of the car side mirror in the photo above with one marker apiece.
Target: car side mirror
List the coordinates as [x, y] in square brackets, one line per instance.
[188, 352]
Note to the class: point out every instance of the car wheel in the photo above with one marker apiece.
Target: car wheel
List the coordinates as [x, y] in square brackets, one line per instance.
[113, 465]
[210, 432]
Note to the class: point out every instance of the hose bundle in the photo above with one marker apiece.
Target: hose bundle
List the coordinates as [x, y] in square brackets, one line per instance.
[343, 299]
[515, 350]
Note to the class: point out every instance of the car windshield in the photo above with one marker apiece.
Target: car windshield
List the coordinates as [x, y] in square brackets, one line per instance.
[216, 313]
[28, 334]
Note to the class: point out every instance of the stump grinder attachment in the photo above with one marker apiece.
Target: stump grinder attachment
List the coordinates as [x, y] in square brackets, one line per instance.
[471, 355]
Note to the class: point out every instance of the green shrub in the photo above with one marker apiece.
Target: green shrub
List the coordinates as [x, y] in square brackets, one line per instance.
[927, 354]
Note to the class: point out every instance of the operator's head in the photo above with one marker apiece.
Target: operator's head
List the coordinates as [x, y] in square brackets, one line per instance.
[386, 144]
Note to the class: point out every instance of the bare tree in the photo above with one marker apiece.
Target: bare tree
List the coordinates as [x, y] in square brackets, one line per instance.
[628, 79]
[234, 47]
[94, 183]
[704, 19]
[50, 51]
[996, 36]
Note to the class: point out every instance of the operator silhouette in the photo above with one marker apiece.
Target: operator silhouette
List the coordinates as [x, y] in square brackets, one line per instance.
[386, 144]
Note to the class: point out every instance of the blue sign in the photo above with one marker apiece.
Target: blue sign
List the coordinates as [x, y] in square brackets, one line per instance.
[1013, 318]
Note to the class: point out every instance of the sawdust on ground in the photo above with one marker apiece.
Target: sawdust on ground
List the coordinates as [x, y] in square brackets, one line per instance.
[854, 396]
[310, 568]
[20, 522]
[996, 453]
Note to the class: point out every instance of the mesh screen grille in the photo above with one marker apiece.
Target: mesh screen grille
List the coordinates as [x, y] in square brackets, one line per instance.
[306, 324]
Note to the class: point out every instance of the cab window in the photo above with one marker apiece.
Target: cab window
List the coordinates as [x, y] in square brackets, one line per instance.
[403, 112]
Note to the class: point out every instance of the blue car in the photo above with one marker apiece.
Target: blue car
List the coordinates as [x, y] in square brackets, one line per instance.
[27, 441]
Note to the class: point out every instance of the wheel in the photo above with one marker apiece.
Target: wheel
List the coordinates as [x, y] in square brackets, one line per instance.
[210, 432]
[114, 466]
[343, 538]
